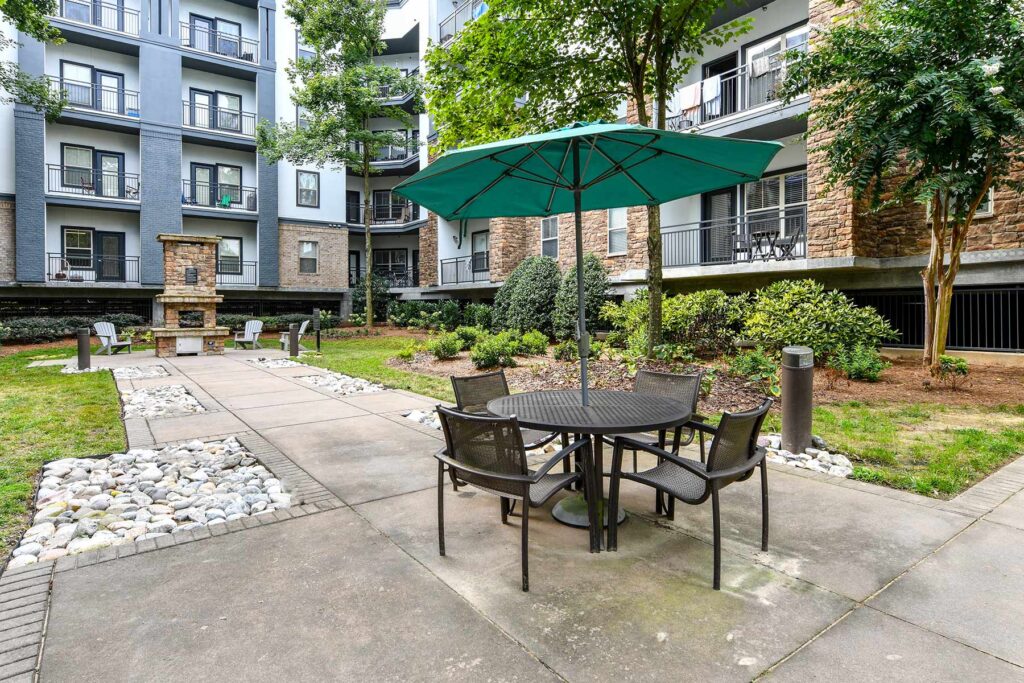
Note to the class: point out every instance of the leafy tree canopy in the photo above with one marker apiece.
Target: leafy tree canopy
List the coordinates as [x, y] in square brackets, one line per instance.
[29, 17]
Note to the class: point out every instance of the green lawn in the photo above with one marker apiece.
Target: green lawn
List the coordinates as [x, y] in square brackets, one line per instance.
[929, 448]
[367, 357]
[45, 415]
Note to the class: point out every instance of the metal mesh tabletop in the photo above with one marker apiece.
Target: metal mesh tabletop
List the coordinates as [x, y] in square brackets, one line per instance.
[609, 412]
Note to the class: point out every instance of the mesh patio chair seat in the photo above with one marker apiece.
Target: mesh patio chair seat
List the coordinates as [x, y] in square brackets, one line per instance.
[733, 456]
[488, 453]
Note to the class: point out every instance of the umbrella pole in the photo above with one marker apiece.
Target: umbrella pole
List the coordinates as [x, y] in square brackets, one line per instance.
[584, 341]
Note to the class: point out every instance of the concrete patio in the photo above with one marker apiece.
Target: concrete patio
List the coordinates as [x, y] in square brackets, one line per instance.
[860, 582]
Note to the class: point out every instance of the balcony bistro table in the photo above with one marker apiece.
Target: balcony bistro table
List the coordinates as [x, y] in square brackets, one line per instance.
[609, 412]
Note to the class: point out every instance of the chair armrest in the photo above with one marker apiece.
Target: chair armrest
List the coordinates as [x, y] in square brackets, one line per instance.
[701, 426]
[559, 457]
[661, 452]
[442, 455]
[759, 455]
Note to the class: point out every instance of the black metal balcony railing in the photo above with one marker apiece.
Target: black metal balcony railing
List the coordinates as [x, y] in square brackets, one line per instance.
[110, 16]
[737, 239]
[394, 277]
[218, 195]
[91, 182]
[389, 92]
[96, 97]
[743, 88]
[235, 272]
[475, 268]
[453, 23]
[91, 268]
[218, 119]
[219, 43]
[383, 214]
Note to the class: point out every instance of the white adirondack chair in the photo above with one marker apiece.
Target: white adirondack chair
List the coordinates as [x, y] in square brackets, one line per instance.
[109, 340]
[302, 331]
[251, 334]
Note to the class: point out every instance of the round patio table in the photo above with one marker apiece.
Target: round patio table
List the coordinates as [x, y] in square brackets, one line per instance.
[609, 412]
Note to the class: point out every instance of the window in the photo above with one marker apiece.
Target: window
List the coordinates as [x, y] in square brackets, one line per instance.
[76, 80]
[229, 183]
[77, 163]
[985, 209]
[229, 111]
[549, 237]
[301, 119]
[229, 255]
[616, 231]
[309, 253]
[302, 51]
[308, 188]
[481, 251]
[777, 205]
[390, 261]
[766, 66]
[78, 247]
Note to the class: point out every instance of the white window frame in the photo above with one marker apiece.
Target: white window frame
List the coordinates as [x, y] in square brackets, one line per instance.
[987, 213]
[315, 258]
[619, 229]
[543, 223]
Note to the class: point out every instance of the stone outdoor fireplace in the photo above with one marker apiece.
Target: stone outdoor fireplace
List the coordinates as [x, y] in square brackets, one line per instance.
[190, 298]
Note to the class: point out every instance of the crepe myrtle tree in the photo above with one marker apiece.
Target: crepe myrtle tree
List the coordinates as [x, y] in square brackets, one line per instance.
[531, 65]
[922, 102]
[29, 17]
[342, 90]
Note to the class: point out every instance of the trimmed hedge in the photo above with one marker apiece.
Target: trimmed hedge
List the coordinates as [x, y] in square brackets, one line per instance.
[428, 315]
[38, 329]
[527, 299]
[277, 323]
[595, 291]
[498, 349]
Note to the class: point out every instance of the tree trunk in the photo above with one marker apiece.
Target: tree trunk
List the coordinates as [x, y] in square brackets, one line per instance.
[653, 278]
[367, 222]
[929, 279]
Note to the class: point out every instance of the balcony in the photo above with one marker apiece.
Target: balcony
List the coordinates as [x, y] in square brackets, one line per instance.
[394, 94]
[91, 269]
[87, 182]
[109, 16]
[758, 237]
[217, 196]
[448, 27]
[465, 269]
[745, 88]
[228, 45]
[382, 214]
[395, 278]
[218, 119]
[232, 272]
[95, 97]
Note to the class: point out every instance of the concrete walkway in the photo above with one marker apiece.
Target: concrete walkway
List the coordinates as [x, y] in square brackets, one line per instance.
[860, 583]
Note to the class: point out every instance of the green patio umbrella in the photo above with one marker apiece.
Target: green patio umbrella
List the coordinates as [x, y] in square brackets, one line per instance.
[583, 167]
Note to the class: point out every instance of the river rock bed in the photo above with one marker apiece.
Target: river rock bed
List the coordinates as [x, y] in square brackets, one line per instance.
[340, 384]
[129, 372]
[815, 459]
[169, 400]
[86, 504]
[274, 363]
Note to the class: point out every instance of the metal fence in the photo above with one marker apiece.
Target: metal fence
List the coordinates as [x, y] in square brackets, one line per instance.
[775, 236]
[218, 195]
[235, 272]
[218, 118]
[382, 214]
[475, 268]
[91, 182]
[110, 16]
[91, 268]
[96, 97]
[219, 43]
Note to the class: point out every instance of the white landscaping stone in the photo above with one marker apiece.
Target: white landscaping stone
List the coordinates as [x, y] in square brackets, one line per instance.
[274, 363]
[816, 459]
[340, 384]
[21, 561]
[163, 401]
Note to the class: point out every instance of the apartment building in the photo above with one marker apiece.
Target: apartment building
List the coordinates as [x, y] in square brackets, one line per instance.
[159, 136]
[779, 227]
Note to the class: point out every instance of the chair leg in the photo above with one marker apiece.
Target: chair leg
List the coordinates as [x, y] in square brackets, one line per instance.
[525, 550]
[566, 465]
[440, 508]
[594, 525]
[670, 513]
[764, 505]
[702, 456]
[504, 510]
[659, 505]
[716, 521]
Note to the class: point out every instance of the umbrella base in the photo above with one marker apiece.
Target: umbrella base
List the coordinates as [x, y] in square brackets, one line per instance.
[572, 511]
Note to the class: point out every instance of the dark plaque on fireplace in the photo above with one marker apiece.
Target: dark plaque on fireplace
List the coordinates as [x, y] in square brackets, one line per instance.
[191, 276]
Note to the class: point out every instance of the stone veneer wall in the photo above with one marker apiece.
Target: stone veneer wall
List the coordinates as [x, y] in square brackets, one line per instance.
[332, 262]
[199, 255]
[7, 246]
[428, 251]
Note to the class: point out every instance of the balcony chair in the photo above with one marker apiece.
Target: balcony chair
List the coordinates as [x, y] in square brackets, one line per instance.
[302, 331]
[250, 335]
[109, 340]
[225, 202]
[733, 456]
[488, 453]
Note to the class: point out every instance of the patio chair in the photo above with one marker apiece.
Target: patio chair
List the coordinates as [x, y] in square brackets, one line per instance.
[302, 331]
[250, 335]
[474, 391]
[733, 456]
[488, 453]
[109, 341]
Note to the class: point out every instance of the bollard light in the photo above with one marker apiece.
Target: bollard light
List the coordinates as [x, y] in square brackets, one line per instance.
[797, 377]
[84, 355]
[293, 340]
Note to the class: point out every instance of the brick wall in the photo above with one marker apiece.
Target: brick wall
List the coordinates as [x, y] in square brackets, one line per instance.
[7, 246]
[428, 251]
[332, 264]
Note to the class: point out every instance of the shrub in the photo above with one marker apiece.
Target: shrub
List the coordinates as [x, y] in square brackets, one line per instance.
[801, 312]
[595, 291]
[449, 314]
[37, 329]
[859, 363]
[498, 349]
[527, 298]
[534, 342]
[953, 371]
[380, 290]
[357, 319]
[445, 345]
[569, 350]
[407, 352]
[477, 315]
[673, 353]
[758, 367]
[629, 320]
[470, 335]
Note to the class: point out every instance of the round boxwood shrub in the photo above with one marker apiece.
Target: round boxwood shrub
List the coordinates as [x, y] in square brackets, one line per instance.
[470, 335]
[527, 298]
[477, 315]
[595, 291]
[499, 349]
[534, 343]
[445, 345]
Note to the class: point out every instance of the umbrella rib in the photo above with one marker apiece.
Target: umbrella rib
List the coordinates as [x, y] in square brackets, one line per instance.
[538, 176]
[558, 173]
[621, 163]
[626, 173]
[504, 174]
[684, 156]
[561, 166]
